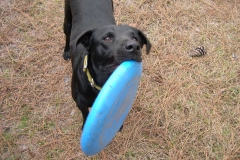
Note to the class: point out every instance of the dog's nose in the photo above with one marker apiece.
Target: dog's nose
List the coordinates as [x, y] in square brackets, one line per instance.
[132, 46]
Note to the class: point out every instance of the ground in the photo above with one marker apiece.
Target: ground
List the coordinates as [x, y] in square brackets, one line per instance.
[186, 107]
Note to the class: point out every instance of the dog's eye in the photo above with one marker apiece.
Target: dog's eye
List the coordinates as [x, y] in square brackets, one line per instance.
[134, 38]
[107, 39]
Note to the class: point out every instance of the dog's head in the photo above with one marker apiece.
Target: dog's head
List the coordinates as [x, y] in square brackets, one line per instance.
[111, 45]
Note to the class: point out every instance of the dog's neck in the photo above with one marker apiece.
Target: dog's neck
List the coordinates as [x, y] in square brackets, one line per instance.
[92, 71]
[89, 75]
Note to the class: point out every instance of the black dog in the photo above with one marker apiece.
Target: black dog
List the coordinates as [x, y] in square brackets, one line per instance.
[96, 46]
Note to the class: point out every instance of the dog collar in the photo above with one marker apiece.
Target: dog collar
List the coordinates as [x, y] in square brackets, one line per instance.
[90, 79]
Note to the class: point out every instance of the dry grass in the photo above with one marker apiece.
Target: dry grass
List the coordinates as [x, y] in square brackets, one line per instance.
[186, 108]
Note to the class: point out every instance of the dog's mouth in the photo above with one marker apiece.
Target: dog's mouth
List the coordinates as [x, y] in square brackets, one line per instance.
[109, 68]
[112, 68]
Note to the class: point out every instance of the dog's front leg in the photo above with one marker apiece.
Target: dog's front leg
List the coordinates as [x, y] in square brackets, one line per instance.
[67, 27]
[85, 112]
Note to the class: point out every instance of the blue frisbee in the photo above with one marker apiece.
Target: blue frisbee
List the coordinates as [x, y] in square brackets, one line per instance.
[111, 107]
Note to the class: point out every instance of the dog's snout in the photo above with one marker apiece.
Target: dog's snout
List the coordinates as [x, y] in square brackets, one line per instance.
[132, 46]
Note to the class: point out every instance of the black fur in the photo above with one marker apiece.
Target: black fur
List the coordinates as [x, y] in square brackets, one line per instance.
[90, 29]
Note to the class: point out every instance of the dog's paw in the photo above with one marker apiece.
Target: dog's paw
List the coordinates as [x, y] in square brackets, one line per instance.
[120, 129]
[66, 55]
[82, 127]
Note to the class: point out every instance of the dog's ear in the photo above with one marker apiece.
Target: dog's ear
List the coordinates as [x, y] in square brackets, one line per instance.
[85, 39]
[144, 39]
